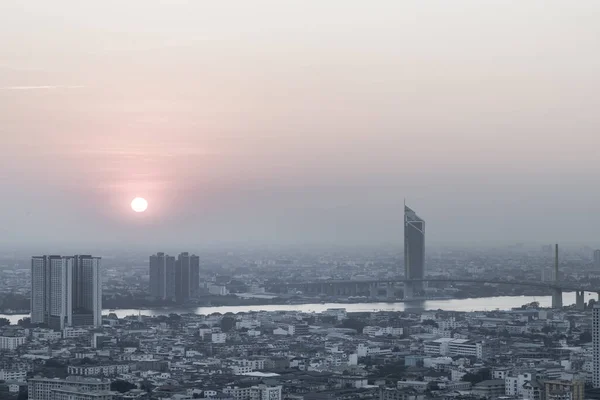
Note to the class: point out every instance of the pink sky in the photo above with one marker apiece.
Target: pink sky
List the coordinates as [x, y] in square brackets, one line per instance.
[295, 121]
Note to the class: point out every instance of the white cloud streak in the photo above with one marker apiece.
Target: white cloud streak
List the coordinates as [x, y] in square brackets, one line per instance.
[42, 87]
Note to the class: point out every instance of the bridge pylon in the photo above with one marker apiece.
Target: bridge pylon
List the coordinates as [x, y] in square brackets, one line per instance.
[557, 301]
[580, 300]
[409, 290]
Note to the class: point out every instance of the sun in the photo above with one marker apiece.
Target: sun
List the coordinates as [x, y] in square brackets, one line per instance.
[139, 204]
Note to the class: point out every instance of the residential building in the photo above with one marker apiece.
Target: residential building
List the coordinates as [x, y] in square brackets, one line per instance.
[95, 369]
[238, 393]
[564, 390]
[187, 277]
[532, 390]
[78, 394]
[514, 382]
[219, 337]
[11, 342]
[387, 393]
[265, 392]
[162, 276]
[455, 347]
[18, 375]
[66, 291]
[42, 388]
[491, 388]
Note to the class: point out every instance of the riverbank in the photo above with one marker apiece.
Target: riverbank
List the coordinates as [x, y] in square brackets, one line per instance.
[464, 305]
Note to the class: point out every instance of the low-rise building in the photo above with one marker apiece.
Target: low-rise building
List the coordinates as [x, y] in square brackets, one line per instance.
[490, 388]
[11, 342]
[564, 390]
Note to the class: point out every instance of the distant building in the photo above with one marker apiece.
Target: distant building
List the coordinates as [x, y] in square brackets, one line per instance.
[44, 388]
[78, 394]
[172, 279]
[265, 392]
[187, 277]
[66, 291]
[455, 347]
[11, 342]
[162, 276]
[490, 389]
[387, 393]
[300, 329]
[597, 259]
[596, 345]
[414, 249]
[548, 275]
[17, 375]
[219, 337]
[98, 369]
[564, 390]
[514, 382]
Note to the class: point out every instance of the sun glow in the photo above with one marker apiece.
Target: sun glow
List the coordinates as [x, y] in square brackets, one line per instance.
[139, 204]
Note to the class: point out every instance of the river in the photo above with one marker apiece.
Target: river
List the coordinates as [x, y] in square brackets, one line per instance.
[480, 304]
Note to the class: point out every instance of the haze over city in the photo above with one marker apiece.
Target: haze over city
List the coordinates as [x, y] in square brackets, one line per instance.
[298, 122]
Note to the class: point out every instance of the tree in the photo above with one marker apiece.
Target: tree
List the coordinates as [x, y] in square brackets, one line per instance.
[430, 322]
[548, 329]
[479, 376]
[585, 337]
[25, 322]
[53, 363]
[146, 386]
[121, 386]
[227, 324]
[4, 322]
[353, 323]
[504, 333]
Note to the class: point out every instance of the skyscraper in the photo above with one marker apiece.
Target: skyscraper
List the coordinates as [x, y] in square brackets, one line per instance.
[172, 279]
[87, 291]
[162, 276]
[597, 259]
[187, 277]
[66, 291]
[414, 251]
[596, 345]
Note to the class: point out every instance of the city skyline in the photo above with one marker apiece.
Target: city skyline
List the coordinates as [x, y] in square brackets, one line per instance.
[299, 200]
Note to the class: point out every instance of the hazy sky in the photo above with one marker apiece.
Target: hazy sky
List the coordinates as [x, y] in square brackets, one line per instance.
[299, 121]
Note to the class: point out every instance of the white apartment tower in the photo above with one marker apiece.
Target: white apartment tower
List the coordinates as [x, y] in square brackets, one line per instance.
[66, 291]
[596, 345]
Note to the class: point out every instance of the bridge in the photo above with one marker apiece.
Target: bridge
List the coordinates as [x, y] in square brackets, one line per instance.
[372, 287]
[412, 283]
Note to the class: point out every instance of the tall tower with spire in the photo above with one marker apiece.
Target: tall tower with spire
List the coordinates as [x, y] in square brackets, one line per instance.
[414, 251]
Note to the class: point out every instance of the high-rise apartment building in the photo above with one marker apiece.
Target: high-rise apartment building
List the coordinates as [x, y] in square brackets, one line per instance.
[172, 279]
[596, 345]
[162, 276]
[597, 259]
[66, 291]
[414, 249]
[187, 277]
[87, 291]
